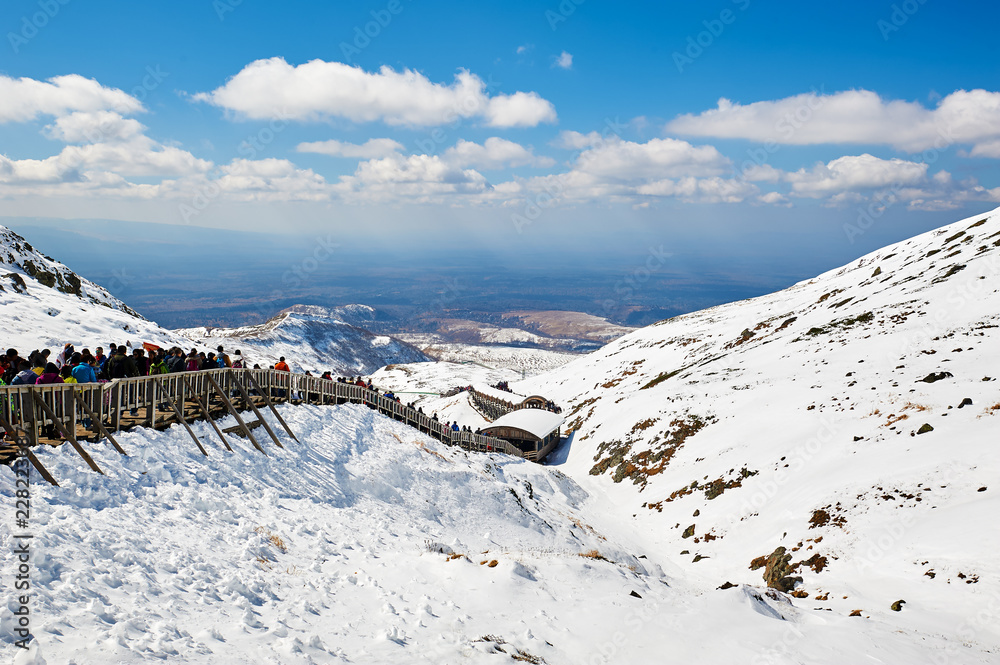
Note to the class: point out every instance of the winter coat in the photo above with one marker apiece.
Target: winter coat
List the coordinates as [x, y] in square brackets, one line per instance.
[281, 366]
[84, 373]
[49, 378]
[159, 367]
[120, 366]
[25, 378]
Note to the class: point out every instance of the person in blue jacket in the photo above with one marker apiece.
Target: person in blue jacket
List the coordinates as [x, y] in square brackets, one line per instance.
[82, 372]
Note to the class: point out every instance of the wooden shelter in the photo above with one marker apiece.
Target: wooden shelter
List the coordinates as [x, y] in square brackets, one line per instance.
[535, 432]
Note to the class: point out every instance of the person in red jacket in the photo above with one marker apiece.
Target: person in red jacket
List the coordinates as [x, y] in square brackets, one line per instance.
[281, 365]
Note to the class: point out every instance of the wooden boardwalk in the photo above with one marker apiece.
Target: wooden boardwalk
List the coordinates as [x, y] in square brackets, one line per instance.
[79, 413]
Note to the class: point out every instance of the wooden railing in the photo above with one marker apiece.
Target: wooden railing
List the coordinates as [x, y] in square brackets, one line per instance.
[491, 407]
[60, 413]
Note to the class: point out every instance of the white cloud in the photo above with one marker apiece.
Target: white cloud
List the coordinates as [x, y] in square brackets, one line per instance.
[610, 170]
[524, 48]
[564, 60]
[94, 127]
[319, 90]
[701, 190]
[494, 153]
[614, 159]
[856, 116]
[370, 149]
[25, 99]
[855, 172]
[576, 141]
[417, 178]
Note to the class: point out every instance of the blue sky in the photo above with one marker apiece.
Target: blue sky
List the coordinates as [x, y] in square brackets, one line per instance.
[826, 128]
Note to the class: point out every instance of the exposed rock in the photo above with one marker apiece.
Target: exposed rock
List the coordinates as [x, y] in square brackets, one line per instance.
[777, 569]
[925, 428]
[936, 376]
[897, 606]
[688, 532]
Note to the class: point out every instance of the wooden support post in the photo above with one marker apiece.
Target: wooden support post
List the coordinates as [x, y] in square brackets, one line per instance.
[35, 462]
[232, 410]
[116, 404]
[267, 401]
[42, 471]
[97, 421]
[65, 432]
[150, 405]
[205, 412]
[163, 393]
[260, 417]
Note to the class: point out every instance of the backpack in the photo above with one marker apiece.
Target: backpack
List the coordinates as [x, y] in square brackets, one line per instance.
[238, 363]
[116, 367]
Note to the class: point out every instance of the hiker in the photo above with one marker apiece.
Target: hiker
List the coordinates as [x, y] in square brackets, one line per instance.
[281, 365]
[238, 362]
[82, 371]
[25, 376]
[158, 365]
[14, 362]
[66, 373]
[141, 366]
[64, 355]
[224, 360]
[175, 360]
[120, 365]
[193, 363]
[50, 374]
[100, 357]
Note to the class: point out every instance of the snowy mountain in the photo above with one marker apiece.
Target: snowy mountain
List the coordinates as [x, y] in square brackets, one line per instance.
[837, 440]
[314, 339]
[45, 304]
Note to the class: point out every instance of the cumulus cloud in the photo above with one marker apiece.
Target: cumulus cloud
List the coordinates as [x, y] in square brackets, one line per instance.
[616, 159]
[370, 149]
[494, 153]
[319, 90]
[25, 99]
[564, 61]
[417, 178]
[855, 172]
[856, 116]
[94, 127]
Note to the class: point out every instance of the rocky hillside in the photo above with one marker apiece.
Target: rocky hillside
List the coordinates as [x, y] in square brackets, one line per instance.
[836, 440]
[45, 304]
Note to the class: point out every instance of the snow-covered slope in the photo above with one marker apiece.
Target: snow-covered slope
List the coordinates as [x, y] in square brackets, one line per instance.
[370, 543]
[312, 339]
[45, 304]
[853, 419]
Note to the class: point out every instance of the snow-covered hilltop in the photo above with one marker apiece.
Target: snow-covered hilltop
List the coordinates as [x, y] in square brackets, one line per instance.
[851, 420]
[45, 304]
[314, 339]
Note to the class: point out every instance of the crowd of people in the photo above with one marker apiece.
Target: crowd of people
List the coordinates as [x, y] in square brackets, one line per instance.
[123, 361]
[120, 362]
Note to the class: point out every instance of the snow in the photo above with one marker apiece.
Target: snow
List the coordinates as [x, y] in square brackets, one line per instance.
[824, 411]
[539, 422]
[363, 543]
